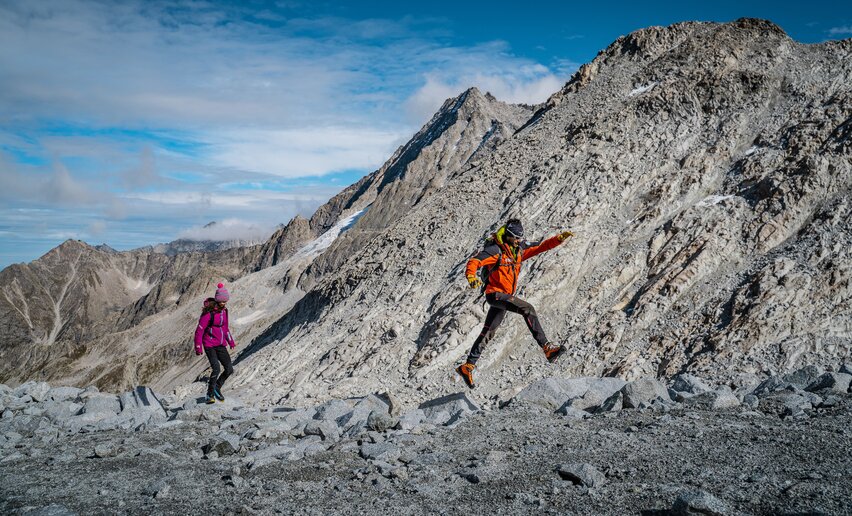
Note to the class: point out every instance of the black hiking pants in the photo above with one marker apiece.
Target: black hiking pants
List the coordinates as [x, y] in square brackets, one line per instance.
[500, 304]
[216, 355]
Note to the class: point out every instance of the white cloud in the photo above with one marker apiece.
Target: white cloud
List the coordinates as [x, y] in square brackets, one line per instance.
[171, 109]
[221, 200]
[96, 228]
[310, 151]
[228, 229]
[840, 31]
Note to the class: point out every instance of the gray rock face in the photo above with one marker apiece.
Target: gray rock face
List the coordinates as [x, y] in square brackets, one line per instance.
[643, 392]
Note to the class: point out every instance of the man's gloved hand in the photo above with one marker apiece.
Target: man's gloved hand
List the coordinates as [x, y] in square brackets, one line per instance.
[474, 282]
[565, 235]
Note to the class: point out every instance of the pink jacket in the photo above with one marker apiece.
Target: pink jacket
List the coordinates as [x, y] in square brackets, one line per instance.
[213, 331]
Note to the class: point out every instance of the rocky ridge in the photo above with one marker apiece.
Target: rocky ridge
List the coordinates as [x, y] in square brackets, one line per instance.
[581, 445]
[706, 171]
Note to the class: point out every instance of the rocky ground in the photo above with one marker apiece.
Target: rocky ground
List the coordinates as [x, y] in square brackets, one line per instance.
[579, 446]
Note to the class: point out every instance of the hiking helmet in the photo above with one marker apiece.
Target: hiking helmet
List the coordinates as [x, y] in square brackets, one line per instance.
[515, 229]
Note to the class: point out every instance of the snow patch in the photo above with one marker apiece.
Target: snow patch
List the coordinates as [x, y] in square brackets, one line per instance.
[138, 286]
[642, 89]
[324, 241]
[712, 200]
[751, 150]
[257, 314]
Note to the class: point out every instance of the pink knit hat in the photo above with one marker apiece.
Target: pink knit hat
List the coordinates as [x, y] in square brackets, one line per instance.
[222, 294]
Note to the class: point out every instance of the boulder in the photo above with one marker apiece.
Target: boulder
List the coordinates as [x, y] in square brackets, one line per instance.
[102, 404]
[800, 378]
[699, 502]
[785, 403]
[448, 410]
[644, 390]
[381, 421]
[142, 405]
[356, 421]
[333, 410]
[846, 368]
[612, 404]
[37, 391]
[60, 411]
[689, 384]
[833, 382]
[720, 399]
[64, 393]
[326, 430]
[410, 420]
[223, 444]
[581, 474]
[552, 393]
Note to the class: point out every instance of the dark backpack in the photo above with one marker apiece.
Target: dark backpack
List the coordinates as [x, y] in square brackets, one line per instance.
[484, 273]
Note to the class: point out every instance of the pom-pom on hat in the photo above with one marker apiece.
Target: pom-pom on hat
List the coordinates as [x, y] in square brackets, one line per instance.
[222, 294]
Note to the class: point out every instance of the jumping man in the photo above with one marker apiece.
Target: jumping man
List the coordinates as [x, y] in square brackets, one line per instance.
[503, 254]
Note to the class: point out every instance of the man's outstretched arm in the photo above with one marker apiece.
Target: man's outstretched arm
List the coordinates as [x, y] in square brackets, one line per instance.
[546, 245]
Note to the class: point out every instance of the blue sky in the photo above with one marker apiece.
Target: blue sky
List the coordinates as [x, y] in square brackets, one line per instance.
[137, 122]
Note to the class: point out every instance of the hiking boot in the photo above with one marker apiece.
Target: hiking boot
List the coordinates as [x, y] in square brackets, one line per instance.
[466, 372]
[552, 352]
[210, 399]
[218, 394]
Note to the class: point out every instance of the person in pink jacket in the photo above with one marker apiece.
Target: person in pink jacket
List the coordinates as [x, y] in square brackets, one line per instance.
[212, 337]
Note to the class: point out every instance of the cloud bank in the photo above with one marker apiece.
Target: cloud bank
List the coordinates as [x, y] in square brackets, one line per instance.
[133, 121]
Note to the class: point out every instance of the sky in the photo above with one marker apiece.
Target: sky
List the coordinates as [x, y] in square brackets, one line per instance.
[138, 122]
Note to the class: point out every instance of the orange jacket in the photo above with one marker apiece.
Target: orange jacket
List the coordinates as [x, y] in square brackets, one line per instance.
[505, 277]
